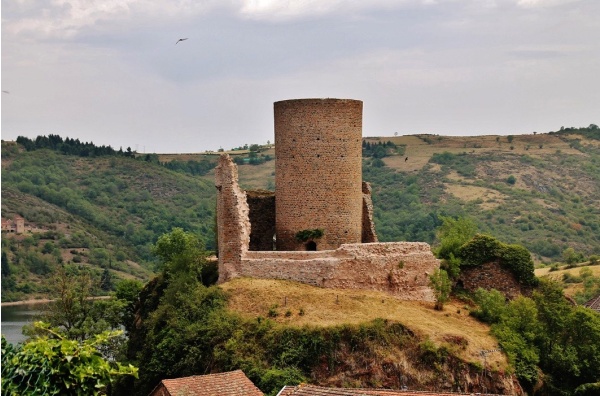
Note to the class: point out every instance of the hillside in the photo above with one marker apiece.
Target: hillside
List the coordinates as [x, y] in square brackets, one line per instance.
[105, 211]
[101, 213]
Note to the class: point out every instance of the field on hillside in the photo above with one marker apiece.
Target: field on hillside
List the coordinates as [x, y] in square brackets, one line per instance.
[581, 282]
[309, 305]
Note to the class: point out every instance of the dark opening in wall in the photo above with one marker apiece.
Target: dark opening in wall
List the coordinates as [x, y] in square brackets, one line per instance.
[311, 246]
[262, 219]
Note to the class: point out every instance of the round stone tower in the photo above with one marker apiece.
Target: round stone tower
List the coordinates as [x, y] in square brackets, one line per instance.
[318, 180]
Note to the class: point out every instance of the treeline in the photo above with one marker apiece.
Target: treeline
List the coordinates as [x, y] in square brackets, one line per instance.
[380, 149]
[196, 168]
[70, 146]
[590, 132]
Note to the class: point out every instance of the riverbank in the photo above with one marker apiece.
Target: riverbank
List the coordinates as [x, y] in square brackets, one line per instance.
[42, 301]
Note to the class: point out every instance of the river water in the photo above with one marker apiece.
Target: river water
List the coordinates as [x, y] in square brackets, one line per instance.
[15, 317]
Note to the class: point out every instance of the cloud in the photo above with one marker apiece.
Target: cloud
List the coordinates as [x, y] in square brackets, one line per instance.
[64, 19]
[543, 3]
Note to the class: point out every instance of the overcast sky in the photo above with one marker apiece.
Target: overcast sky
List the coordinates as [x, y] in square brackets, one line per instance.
[109, 71]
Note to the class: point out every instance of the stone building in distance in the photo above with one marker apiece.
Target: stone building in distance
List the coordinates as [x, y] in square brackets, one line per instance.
[317, 227]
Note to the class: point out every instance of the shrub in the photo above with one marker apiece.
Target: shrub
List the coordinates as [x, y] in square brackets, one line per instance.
[306, 235]
[440, 283]
[491, 305]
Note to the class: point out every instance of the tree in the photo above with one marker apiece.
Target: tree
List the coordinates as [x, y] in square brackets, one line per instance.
[128, 291]
[181, 252]
[452, 234]
[571, 257]
[75, 312]
[511, 179]
[510, 138]
[440, 283]
[5, 265]
[55, 365]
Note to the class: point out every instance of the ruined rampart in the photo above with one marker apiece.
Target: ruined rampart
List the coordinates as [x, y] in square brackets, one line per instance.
[399, 268]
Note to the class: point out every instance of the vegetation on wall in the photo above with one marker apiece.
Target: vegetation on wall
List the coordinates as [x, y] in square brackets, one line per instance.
[485, 249]
[307, 235]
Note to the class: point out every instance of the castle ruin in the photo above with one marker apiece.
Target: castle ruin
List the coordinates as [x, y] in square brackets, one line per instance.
[317, 227]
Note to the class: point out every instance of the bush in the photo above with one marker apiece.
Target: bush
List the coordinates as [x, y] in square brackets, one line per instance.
[491, 305]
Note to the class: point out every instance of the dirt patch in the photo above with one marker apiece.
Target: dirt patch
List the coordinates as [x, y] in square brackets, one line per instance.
[489, 198]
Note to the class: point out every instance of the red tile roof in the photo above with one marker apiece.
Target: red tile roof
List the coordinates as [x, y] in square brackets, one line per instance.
[312, 390]
[233, 383]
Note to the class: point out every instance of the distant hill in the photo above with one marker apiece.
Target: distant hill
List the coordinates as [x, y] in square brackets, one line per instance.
[103, 209]
[102, 212]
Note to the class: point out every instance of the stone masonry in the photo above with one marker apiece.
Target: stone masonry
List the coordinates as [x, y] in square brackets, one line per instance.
[318, 171]
[399, 268]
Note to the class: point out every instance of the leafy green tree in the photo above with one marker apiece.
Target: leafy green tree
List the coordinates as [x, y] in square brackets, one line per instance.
[55, 365]
[441, 285]
[5, 266]
[187, 318]
[571, 257]
[491, 305]
[516, 332]
[452, 234]
[75, 312]
[181, 252]
[128, 291]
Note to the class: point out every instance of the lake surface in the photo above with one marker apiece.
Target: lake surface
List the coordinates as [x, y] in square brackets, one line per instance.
[15, 317]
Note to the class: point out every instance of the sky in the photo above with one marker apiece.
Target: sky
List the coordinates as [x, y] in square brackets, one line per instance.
[110, 71]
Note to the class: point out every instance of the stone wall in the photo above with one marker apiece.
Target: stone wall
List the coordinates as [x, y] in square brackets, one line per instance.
[233, 223]
[492, 276]
[399, 268]
[318, 171]
[368, 226]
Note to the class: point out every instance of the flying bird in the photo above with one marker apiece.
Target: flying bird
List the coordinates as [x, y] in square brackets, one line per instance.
[183, 39]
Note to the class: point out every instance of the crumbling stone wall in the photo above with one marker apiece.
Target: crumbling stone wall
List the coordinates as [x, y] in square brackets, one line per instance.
[492, 276]
[399, 268]
[368, 226]
[262, 219]
[233, 223]
[318, 171]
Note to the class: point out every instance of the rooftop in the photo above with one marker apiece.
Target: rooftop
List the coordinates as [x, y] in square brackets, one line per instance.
[232, 383]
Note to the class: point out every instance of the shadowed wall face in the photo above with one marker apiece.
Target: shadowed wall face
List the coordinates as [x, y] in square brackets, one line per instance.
[318, 177]
[262, 219]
